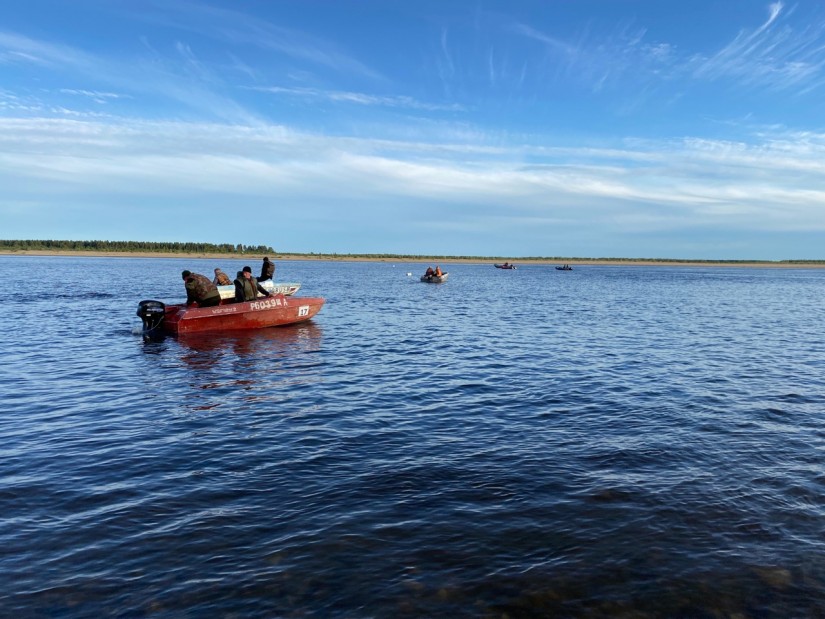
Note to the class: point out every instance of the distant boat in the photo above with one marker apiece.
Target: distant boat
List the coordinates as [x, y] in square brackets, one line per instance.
[228, 292]
[434, 279]
[506, 265]
[566, 267]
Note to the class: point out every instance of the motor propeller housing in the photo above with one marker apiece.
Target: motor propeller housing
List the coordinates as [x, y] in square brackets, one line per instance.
[152, 314]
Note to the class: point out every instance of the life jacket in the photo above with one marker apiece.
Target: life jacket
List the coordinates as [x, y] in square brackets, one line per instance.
[223, 278]
[249, 288]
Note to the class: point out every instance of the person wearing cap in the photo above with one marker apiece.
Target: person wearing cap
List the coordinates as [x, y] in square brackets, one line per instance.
[200, 290]
[247, 287]
[267, 270]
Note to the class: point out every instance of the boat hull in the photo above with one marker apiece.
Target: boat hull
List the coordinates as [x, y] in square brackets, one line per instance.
[288, 289]
[432, 279]
[510, 267]
[266, 312]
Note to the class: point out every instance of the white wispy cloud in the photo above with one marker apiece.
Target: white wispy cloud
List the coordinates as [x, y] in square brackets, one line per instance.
[245, 30]
[181, 78]
[97, 96]
[667, 183]
[445, 66]
[360, 98]
[608, 60]
[775, 55]
[554, 43]
[22, 49]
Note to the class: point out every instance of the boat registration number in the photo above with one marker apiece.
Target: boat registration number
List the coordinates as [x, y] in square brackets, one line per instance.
[267, 304]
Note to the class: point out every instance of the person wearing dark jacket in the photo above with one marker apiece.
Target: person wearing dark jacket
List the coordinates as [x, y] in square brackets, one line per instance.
[267, 270]
[247, 287]
[200, 290]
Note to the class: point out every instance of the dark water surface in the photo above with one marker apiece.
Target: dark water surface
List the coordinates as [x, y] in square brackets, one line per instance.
[611, 441]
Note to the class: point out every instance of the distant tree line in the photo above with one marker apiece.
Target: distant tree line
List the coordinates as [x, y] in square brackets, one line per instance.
[543, 259]
[228, 248]
[137, 246]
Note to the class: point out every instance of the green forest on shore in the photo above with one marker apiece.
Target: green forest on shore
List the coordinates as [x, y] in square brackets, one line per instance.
[229, 249]
[134, 247]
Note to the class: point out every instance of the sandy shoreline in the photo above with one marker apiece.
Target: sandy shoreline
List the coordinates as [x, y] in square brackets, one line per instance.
[404, 259]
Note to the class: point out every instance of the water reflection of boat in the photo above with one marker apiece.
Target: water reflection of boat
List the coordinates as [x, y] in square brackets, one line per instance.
[305, 336]
[264, 365]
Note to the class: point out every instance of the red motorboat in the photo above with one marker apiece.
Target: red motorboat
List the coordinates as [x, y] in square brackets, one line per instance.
[273, 311]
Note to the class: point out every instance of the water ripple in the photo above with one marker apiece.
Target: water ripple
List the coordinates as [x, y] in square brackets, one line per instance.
[606, 442]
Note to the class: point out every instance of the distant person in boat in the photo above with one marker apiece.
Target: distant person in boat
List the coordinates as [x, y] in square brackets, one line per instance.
[221, 278]
[438, 272]
[267, 270]
[200, 290]
[429, 272]
[247, 287]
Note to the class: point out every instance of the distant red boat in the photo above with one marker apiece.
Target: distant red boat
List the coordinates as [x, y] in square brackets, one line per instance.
[273, 311]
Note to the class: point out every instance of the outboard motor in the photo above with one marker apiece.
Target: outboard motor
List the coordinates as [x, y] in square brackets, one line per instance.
[152, 314]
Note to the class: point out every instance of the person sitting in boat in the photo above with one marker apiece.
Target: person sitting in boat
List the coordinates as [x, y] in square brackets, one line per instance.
[438, 272]
[267, 270]
[221, 278]
[429, 272]
[200, 290]
[247, 287]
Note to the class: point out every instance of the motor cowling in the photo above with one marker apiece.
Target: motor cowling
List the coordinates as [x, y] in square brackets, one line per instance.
[152, 314]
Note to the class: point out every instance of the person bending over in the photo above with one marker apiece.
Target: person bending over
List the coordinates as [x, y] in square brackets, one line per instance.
[200, 290]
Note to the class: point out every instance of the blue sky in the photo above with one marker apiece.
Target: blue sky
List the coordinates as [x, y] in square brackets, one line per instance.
[633, 128]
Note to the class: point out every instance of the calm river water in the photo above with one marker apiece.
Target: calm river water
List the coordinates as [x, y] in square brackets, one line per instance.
[611, 441]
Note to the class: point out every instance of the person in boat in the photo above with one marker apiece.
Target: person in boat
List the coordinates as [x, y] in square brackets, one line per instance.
[267, 270]
[247, 287]
[221, 278]
[429, 272]
[506, 264]
[438, 272]
[200, 290]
